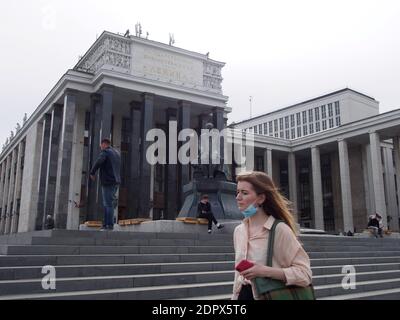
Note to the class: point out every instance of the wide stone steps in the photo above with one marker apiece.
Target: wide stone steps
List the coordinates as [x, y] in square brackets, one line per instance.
[74, 271]
[31, 286]
[116, 265]
[205, 290]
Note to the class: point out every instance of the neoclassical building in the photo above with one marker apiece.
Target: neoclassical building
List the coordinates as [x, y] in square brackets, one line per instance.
[122, 87]
[335, 157]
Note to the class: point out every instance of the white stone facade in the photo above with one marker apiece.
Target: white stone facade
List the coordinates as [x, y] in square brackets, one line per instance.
[336, 177]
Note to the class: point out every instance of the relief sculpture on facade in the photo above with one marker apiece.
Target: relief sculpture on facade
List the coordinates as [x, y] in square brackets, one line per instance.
[111, 51]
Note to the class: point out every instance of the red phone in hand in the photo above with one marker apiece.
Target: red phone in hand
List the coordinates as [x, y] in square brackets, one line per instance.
[244, 265]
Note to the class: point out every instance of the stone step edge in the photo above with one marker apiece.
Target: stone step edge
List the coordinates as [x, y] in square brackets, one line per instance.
[182, 263]
[141, 289]
[98, 255]
[362, 294]
[111, 291]
[196, 273]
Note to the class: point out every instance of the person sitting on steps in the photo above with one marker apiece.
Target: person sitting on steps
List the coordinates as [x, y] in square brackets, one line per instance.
[204, 212]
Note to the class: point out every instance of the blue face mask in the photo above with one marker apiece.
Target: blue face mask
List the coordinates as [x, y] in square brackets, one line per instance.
[250, 211]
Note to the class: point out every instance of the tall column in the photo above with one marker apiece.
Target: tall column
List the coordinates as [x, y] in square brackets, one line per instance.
[171, 194]
[293, 184]
[219, 124]
[64, 161]
[44, 161]
[317, 189]
[134, 159]
[30, 178]
[94, 205]
[183, 123]
[101, 123]
[396, 147]
[5, 194]
[2, 181]
[75, 185]
[366, 180]
[345, 184]
[145, 167]
[107, 93]
[52, 162]
[377, 176]
[17, 192]
[268, 161]
[389, 180]
[11, 189]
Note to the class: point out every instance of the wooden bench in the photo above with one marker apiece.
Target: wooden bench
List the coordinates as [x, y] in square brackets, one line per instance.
[193, 220]
[94, 224]
[131, 222]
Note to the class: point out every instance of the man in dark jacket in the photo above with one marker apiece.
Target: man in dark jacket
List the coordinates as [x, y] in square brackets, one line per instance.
[204, 212]
[109, 163]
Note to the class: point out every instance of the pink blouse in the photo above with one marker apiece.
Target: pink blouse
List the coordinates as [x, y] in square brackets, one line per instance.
[288, 254]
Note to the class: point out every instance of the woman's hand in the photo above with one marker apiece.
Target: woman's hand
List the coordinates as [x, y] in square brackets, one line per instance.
[256, 271]
[262, 271]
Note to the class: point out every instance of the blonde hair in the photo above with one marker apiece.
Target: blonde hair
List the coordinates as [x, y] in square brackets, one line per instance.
[275, 204]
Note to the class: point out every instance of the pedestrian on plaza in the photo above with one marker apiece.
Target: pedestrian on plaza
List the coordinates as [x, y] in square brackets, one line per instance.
[375, 225]
[109, 163]
[204, 212]
[49, 222]
[262, 205]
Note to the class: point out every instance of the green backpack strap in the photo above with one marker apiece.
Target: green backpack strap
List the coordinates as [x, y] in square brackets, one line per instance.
[271, 241]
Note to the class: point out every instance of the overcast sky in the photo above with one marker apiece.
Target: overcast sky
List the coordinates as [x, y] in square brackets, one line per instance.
[280, 52]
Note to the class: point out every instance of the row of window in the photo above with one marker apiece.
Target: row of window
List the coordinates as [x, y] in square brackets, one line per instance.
[306, 122]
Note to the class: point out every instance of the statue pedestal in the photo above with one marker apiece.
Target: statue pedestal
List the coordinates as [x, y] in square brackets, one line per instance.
[222, 197]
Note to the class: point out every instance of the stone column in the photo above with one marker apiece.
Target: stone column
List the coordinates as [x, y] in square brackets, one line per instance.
[2, 181]
[30, 178]
[17, 192]
[366, 179]
[52, 162]
[64, 161]
[94, 212]
[392, 209]
[44, 161]
[377, 176]
[75, 185]
[171, 194]
[183, 123]
[396, 146]
[345, 184]
[5, 195]
[293, 184]
[219, 124]
[11, 189]
[147, 122]
[317, 189]
[134, 159]
[268, 161]
[101, 123]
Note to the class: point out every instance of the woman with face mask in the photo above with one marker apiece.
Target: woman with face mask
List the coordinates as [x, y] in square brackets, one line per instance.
[261, 204]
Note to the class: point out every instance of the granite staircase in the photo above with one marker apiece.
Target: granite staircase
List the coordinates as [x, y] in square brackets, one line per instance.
[157, 266]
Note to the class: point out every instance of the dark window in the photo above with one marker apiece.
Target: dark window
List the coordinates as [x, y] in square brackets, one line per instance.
[304, 117]
[323, 111]
[316, 114]
[310, 115]
[330, 110]
[298, 132]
